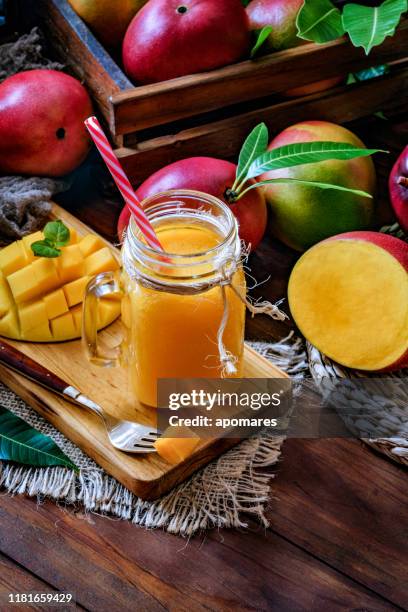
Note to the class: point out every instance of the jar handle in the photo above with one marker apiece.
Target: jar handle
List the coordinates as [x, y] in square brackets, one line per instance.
[98, 353]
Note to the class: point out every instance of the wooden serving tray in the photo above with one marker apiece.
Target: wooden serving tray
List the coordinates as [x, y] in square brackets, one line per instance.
[146, 476]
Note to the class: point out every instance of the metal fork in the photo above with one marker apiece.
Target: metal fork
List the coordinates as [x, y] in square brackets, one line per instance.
[127, 436]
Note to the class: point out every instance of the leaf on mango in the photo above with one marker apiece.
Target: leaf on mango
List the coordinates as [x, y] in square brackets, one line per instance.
[21, 443]
[319, 21]
[320, 185]
[300, 153]
[261, 37]
[42, 248]
[255, 144]
[57, 233]
[369, 26]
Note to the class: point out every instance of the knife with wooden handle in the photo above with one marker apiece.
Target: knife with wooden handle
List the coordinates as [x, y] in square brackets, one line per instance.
[25, 366]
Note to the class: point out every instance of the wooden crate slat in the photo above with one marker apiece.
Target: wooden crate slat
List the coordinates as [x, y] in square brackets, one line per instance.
[224, 138]
[160, 103]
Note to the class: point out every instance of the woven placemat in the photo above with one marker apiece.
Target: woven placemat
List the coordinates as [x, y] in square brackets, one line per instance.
[392, 423]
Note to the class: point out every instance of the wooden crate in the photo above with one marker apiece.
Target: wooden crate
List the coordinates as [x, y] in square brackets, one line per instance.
[210, 113]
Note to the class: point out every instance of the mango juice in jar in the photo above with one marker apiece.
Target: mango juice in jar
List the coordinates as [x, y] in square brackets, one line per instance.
[183, 309]
[173, 308]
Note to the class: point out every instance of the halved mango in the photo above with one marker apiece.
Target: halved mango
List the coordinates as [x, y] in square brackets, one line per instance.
[349, 298]
[41, 298]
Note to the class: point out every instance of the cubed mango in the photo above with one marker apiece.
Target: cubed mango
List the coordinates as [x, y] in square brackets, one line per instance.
[41, 298]
[63, 327]
[55, 303]
[32, 315]
[90, 243]
[75, 290]
[6, 299]
[101, 261]
[12, 258]
[28, 241]
[70, 264]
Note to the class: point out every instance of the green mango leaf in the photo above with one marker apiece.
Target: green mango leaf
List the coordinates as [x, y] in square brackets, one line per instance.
[261, 36]
[56, 233]
[43, 248]
[300, 153]
[22, 443]
[369, 26]
[319, 21]
[290, 181]
[254, 146]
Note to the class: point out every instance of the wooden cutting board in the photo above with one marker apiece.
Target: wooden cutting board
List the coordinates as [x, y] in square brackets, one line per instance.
[147, 476]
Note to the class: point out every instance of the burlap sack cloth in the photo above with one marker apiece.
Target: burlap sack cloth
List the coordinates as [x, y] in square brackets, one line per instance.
[218, 495]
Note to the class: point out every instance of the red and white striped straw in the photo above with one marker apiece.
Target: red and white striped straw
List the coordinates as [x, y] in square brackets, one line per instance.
[102, 144]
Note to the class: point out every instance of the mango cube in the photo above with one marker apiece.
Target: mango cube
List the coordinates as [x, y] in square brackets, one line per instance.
[46, 277]
[75, 290]
[55, 303]
[90, 243]
[77, 315]
[32, 315]
[6, 299]
[70, 264]
[63, 327]
[176, 444]
[106, 310]
[23, 284]
[28, 241]
[9, 324]
[40, 333]
[101, 261]
[73, 236]
[12, 258]
[41, 298]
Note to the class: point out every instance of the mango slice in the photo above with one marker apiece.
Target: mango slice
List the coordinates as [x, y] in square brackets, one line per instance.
[176, 444]
[41, 298]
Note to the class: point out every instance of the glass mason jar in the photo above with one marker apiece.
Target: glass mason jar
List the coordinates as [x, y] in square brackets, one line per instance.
[183, 310]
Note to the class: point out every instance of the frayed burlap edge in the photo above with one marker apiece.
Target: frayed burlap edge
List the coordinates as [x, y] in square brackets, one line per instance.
[217, 496]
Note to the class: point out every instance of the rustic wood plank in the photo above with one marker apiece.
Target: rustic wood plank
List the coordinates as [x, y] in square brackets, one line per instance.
[76, 47]
[110, 563]
[224, 138]
[354, 508]
[15, 579]
[160, 103]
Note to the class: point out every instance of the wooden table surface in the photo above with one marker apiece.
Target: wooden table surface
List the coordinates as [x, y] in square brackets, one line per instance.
[338, 511]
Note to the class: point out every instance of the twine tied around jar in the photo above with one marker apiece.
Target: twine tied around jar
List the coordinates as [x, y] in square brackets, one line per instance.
[227, 267]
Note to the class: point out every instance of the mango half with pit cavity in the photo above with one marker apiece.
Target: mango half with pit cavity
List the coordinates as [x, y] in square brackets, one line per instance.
[41, 298]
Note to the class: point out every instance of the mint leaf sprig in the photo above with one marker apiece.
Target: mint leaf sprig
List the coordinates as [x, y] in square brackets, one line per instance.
[255, 159]
[56, 235]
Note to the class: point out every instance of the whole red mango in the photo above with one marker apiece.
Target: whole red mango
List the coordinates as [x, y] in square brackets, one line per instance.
[42, 130]
[214, 177]
[398, 186]
[172, 38]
